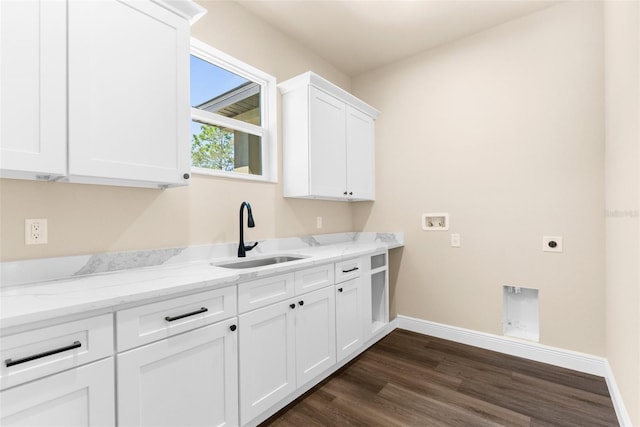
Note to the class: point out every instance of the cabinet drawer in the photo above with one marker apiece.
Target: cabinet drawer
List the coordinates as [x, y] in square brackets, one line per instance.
[314, 278]
[33, 354]
[262, 292]
[151, 322]
[347, 270]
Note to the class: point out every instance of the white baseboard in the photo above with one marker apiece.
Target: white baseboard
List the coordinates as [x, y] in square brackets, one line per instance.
[621, 411]
[529, 350]
[568, 359]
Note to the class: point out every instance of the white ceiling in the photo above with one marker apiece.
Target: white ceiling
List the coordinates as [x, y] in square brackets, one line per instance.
[360, 35]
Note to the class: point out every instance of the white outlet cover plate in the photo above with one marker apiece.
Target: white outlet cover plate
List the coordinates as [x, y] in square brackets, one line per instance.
[29, 238]
[546, 241]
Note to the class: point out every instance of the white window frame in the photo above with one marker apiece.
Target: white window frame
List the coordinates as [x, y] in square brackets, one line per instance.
[268, 111]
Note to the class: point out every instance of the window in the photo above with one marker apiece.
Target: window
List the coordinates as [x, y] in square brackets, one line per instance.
[233, 116]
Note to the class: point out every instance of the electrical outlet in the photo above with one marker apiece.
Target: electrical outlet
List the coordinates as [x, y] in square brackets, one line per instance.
[35, 231]
[455, 240]
[318, 222]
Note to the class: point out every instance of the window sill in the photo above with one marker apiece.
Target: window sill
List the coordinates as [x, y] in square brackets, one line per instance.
[232, 175]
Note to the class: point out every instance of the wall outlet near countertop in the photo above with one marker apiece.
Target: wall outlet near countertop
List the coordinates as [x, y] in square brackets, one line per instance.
[35, 231]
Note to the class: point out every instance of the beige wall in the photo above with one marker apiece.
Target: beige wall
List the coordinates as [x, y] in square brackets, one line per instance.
[230, 28]
[89, 219]
[503, 130]
[622, 157]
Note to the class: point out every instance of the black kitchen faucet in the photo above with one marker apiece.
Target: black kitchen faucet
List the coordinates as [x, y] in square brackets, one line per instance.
[242, 249]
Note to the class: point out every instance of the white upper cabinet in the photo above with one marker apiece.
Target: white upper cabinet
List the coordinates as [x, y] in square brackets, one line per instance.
[129, 110]
[328, 141]
[33, 129]
[126, 106]
[360, 155]
[327, 156]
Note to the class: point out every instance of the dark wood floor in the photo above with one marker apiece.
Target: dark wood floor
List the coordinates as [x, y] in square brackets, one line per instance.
[408, 379]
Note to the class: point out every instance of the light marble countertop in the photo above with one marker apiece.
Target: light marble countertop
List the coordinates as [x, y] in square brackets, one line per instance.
[41, 301]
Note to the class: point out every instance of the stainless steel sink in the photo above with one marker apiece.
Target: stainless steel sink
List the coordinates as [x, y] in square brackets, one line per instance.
[260, 262]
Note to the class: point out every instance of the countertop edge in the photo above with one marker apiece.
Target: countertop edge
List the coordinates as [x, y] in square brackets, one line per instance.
[113, 291]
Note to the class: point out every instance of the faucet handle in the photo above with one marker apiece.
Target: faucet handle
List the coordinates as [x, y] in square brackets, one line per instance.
[248, 248]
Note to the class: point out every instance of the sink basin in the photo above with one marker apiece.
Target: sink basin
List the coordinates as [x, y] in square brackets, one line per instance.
[260, 262]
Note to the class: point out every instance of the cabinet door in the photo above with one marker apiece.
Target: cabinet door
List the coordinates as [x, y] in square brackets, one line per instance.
[315, 334]
[327, 150]
[349, 319]
[360, 155]
[267, 358]
[79, 397]
[33, 88]
[188, 380]
[128, 92]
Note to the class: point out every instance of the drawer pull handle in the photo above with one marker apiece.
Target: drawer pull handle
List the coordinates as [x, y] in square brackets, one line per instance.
[182, 316]
[339, 289]
[350, 270]
[292, 306]
[10, 362]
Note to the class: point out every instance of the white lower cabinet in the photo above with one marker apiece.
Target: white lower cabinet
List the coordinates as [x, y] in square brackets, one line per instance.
[267, 357]
[377, 295]
[282, 347]
[34, 354]
[349, 317]
[189, 379]
[175, 367]
[83, 396]
[315, 334]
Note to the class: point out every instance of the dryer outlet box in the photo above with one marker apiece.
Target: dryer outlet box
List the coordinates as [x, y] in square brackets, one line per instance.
[552, 243]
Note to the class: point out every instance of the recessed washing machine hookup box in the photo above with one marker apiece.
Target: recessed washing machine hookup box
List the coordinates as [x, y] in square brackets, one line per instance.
[520, 318]
[435, 221]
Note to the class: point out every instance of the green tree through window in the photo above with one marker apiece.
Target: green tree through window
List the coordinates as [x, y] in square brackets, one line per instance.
[213, 148]
[233, 116]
